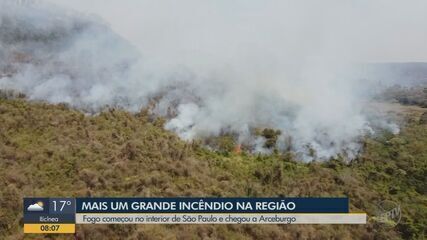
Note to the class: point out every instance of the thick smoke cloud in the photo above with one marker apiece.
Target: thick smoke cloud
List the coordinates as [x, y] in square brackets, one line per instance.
[218, 66]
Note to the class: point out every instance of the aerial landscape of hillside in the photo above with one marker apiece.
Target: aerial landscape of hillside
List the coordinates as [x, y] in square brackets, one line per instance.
[52, 150]
[170, 104]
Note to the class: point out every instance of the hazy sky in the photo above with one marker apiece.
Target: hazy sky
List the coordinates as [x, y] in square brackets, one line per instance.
[363, 30]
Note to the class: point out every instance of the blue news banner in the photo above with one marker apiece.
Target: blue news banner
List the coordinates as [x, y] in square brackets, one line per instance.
[203, 211]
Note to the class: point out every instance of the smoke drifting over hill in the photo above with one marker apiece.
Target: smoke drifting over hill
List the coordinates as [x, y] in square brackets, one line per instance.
[215, 67]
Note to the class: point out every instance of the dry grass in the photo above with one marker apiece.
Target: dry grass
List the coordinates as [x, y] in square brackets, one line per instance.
[51, 150]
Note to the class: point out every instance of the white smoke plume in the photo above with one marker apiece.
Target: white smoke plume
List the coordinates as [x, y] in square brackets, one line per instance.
[216, 66]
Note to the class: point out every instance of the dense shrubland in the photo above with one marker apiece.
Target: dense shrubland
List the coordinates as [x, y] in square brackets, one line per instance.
[52, 150]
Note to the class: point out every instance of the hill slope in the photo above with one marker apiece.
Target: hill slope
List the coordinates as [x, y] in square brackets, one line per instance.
[51, 150]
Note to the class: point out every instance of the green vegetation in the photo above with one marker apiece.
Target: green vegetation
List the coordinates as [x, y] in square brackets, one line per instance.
[271, 136]
[51, 150]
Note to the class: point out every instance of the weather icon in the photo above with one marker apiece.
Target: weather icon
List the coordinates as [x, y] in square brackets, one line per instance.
[36, 207]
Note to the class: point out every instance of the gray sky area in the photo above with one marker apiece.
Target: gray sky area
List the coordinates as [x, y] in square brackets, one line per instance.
[364, 30]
